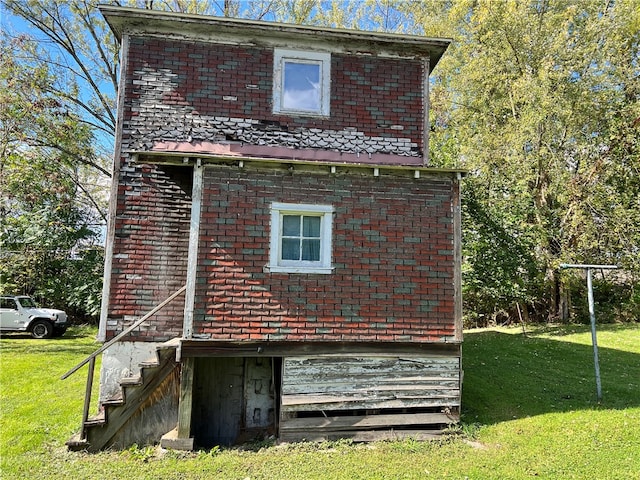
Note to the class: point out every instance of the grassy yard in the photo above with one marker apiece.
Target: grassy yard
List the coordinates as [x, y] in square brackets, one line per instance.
[529, 410]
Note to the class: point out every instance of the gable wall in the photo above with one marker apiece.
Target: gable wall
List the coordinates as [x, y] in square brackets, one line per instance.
[393, 252]
[178, 91]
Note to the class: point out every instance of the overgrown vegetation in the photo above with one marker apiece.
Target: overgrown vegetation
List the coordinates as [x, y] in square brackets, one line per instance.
[529, 410]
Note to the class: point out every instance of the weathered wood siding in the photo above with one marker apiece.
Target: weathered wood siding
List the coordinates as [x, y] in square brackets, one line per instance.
[366, 428]
[334, 383]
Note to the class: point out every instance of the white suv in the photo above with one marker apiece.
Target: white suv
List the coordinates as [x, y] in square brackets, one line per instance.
[21, 314]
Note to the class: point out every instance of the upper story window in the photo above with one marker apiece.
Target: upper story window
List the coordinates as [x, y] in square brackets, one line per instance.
[300, 238]
[301, 82]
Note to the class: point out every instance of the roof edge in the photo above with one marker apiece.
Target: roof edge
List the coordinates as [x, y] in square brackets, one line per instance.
[188, 158]
[127, 20]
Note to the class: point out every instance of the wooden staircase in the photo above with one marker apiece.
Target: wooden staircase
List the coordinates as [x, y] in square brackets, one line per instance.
[156, 387]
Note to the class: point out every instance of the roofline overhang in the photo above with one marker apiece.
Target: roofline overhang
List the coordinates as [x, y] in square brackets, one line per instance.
[125, 20]
[179, 158]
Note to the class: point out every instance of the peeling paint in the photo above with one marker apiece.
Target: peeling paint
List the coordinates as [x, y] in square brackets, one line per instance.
[120, 361]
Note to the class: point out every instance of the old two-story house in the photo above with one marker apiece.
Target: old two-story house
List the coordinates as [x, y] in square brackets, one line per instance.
[272, 194]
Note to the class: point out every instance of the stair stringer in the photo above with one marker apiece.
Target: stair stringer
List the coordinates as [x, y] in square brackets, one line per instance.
[147, 408]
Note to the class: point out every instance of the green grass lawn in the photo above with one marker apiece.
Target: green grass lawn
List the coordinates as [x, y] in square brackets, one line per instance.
[529, 411]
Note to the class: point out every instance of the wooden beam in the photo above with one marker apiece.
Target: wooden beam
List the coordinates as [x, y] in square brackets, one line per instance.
[194, 240]
[359, 436]
[113, 193]
[185, 406]
[457, 257]
[426, 127]
[214, 348]
[366, 422]
[318, 404]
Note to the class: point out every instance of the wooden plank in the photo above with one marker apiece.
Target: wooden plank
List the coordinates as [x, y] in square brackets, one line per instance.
[355, 396]
[192, 255]
[366, 422]
[338, 382]
[364, 364]
[299, 381]
[373, 404]
[372, 387]
[334, 369]
[343, 371]
[192, 347]
[185, 405]
[457, 257]
[357, 436]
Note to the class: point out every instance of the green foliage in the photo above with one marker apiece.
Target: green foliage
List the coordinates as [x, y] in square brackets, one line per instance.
[212, 452]
[48, 230]
[143, 454]
[541, 102]
[614, 301]
[500, 268]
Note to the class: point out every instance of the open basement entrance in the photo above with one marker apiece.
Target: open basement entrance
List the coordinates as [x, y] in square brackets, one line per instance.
[235, 399]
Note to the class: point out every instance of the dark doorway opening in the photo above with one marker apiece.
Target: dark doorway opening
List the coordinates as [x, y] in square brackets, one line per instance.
[236, 399]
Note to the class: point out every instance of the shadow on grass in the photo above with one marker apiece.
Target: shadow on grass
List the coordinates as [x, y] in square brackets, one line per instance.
[509, 376]
[76, 340]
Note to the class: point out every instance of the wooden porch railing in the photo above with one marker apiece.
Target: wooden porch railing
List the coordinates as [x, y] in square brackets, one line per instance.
[91, 359]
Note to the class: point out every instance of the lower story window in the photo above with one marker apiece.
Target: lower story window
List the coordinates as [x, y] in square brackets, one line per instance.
[300, 238]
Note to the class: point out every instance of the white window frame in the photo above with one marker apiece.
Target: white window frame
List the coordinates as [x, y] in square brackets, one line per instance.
[276, 263]
[323, 60]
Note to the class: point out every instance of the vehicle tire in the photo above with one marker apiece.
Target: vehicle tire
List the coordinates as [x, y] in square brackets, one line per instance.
[41, 329]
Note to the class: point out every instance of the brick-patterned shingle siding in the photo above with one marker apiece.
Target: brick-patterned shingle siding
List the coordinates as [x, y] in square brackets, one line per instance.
[392, 252]
[180, 91]
[150, 249]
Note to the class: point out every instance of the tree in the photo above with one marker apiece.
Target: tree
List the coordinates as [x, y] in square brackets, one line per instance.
[80, 53]
[57, 121]
[540, 102]
[47, 231]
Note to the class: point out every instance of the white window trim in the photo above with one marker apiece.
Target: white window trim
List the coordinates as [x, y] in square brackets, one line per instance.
[280, 56]
[276, 265]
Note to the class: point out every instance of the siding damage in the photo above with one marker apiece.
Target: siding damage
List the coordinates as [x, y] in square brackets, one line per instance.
[368, 349]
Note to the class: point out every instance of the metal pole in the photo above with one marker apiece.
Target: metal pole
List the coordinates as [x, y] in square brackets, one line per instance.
[592, 316]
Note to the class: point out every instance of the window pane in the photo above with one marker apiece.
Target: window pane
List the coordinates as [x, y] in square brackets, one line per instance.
[290, 249]
[311, 226]
[311, 250]
[291, 225]
[301, 86]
